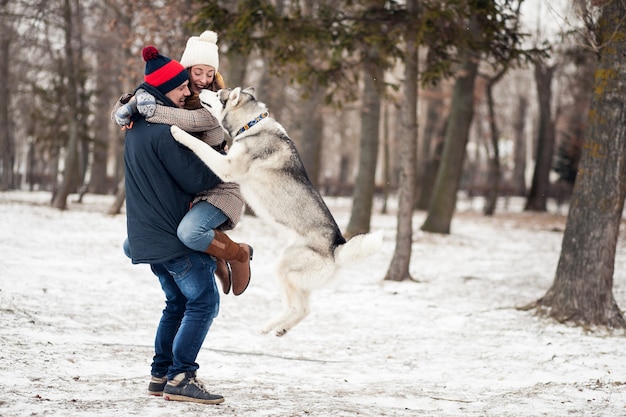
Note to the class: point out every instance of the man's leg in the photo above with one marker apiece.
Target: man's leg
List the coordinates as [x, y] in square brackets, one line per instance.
[190, 275]
[171, 319]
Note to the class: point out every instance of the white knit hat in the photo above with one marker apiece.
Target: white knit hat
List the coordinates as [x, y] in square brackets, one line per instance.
[201, 50]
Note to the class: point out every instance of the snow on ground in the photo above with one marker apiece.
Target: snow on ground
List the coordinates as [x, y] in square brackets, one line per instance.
[77, 322]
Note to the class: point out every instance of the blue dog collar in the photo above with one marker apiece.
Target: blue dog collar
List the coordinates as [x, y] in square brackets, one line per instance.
[253, 122]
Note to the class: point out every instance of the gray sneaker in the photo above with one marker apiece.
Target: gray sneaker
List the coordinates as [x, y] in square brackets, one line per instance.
[186, 387]
[156, 385]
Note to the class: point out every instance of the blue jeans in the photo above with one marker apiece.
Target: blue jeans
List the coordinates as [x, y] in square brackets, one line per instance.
[191, 303]
[195, 230]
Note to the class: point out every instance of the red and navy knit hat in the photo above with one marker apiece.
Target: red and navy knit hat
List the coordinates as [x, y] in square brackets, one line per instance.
[162, 72]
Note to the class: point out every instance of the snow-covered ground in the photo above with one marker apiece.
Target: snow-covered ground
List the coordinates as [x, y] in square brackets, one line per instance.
[77, 322]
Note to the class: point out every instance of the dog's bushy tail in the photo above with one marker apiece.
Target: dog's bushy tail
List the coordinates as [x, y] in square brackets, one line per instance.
[358, 247]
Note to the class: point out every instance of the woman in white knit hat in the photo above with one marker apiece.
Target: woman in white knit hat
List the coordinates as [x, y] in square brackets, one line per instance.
[201, 58]
[221, 207]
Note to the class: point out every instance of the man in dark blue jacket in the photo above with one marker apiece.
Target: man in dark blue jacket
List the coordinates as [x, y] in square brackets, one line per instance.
[162, 178]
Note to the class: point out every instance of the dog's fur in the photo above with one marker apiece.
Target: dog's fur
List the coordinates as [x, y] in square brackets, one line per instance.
[265, 163]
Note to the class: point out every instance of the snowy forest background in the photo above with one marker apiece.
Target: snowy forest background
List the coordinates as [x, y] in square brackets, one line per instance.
[428, 102]
[65, 62]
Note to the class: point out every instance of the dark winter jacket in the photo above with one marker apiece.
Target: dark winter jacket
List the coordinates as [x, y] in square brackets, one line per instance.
[162, 177]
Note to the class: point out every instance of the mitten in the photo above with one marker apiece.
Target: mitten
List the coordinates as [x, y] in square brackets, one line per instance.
[125, 112]
[146, 103]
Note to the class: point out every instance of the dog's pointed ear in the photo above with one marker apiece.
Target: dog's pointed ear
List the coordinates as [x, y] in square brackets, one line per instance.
[250, 90]
[233, 97]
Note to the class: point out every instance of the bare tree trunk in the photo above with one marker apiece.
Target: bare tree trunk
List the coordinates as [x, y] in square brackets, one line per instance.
[399, 267]
[124, 25]
[430, 152]
[271, 91]
[312, 129]
[7, 146]
[493, 175]
[582, 289]
[519, 152]
[310, 117]
[105, 69]
[443, 201]
[361, 213]
[236, 71]
[385, 158]
[540, 186]
[84, 139]
[71, 159]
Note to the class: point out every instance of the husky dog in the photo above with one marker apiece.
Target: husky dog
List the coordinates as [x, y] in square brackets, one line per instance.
[264, 161]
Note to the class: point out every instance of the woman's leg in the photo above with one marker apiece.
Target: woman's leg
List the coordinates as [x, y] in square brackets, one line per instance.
[196, 228]
[197, 231]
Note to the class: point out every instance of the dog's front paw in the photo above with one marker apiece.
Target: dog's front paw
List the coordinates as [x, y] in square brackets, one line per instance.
[177, 132]
[181, 136]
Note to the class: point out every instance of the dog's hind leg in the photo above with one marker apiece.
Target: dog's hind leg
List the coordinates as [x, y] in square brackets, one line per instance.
[300, 271]
[296, 308]
[291, 268]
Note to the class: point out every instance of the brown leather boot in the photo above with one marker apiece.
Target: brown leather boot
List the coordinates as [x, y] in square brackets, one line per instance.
[223, 274]
[238, 255]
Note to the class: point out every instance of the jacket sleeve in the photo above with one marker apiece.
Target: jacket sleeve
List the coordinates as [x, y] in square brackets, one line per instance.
[197, 120]
[214, 136]
[191, 174]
